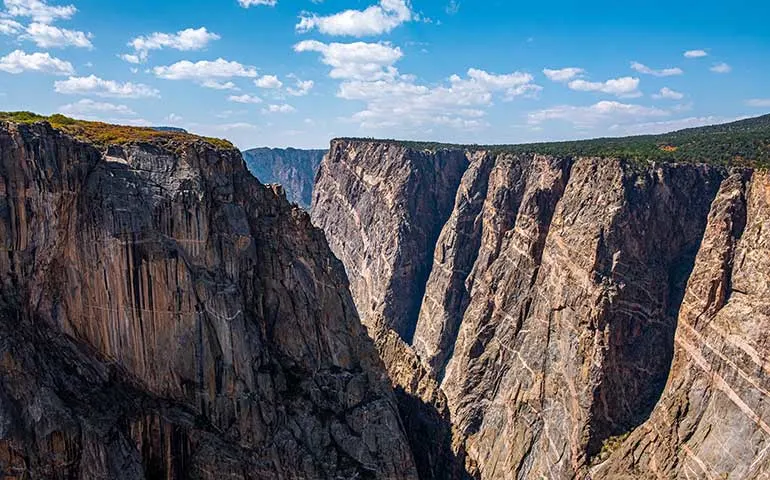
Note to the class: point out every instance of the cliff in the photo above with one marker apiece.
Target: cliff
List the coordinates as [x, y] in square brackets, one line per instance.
[165, 315]
[581, 315]
[294, 169]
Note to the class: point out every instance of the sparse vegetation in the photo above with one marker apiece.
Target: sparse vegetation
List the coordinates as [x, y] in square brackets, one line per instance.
[610, 445]
[741, 143]
[104, 134]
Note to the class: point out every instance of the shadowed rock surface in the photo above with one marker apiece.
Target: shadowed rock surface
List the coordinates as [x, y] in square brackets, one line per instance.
[293, 168]
[164, 315]
[550, 305]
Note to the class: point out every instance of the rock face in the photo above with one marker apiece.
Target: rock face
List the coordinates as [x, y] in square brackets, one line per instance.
[164, 315]
[550, 303]
[294, 169]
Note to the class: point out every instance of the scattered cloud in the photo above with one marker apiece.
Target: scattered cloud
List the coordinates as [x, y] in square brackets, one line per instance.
[49, 36]
[453, 7]
[375, 20]
[93, 85]
[183, 40]
[301, 88]
[695, 54]
[666, 72]
[173, 118]
[759, 102]
[268, 81]
[563, 74]
[39, 10]
[283, 108]
[19, 61]
[88, 108]
[250, 3]
[668, 94]
[721, 68]
[244, 99]
[624, 87]
[355, 61]
[10, 27]
[665, 126]
[604, 112]
[209, 74]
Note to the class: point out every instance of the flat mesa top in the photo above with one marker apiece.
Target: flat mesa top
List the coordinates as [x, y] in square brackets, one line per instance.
[743, 143]
[105, 134]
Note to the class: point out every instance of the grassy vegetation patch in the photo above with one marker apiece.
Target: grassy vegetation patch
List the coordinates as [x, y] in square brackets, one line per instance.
[104, 134]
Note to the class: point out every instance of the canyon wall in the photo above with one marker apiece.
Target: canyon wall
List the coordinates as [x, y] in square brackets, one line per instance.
[553, 293]
[293, 168]
[164, 315]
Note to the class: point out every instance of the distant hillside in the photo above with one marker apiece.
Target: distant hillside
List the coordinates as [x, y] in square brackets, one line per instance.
[293, 168]
[745, 142]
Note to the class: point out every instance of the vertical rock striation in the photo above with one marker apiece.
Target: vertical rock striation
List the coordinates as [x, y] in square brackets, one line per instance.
[549, 313]
[164, 315]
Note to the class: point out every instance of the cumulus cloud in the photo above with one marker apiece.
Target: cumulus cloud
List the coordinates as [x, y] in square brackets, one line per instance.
[93, 85]
[39, 10]
[87, 107]
[49, 36]
[283, 108]
[666, 72]
[375, 20]
[358, 61]
[563, 74]
[695, 54]
[721, 68]
[668, 94]
[244, 99]
[19, 61]
[10, 27]
[209, 74]
[301, 88]
[268, 81]
[626, 87]
[250, 3]
[183, 40]
[604, 112]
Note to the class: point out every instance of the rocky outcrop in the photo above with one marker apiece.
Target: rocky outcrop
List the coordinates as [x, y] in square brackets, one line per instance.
[294, 169]
[164, 315]
[550, 308]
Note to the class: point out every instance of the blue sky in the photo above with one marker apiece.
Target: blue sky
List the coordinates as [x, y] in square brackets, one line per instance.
[299, 72]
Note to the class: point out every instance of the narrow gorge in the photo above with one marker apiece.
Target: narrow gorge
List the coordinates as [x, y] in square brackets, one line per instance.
[566, 315]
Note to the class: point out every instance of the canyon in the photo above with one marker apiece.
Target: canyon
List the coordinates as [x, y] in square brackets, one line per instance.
[582, 310]
[567, 316]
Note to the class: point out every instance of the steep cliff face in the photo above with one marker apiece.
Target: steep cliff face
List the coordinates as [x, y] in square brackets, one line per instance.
[551, 306]
[294, 169]
[164, 315]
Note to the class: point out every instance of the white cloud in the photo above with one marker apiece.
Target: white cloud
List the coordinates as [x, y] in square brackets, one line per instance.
[666, 72]
[48, 36]
[19, 61]
[174, 118]
[695, 54]
[624, 87]
[206, 73]
[283, 108]
[665, 126]
[88, 107]
[355, 61]
[39, 10]
[303, 87]
[375, 20]
[721, 68]
[249, 3]
[603, 112]
[453, 7]
[759, 102]
[130, 58]
[183, 40]
[563, 74]
[93, 85]
[10, 27]
[244, 99]
[667, 93]
[268, 81]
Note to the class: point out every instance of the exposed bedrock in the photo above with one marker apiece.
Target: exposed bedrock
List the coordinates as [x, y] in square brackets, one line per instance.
[549, 311]
[164, 315]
